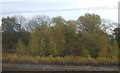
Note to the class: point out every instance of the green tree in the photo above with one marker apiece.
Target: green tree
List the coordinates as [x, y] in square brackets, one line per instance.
[94, 42]
[9, 27]
[12, 27]
[89, 23]
[70, 37]
[92, 37]
[114, 49]
[58, 29]
[34, 42]
[21, 48]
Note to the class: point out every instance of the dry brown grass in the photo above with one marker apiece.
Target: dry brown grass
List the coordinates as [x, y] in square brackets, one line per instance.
[77, 60]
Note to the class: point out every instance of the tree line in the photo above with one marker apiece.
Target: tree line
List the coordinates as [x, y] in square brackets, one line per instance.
[44, 36]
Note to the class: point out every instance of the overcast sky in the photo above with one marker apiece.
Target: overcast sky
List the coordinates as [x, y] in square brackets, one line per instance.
[37, 5]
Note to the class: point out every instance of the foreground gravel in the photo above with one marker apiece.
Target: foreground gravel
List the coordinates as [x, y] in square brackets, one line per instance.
[39, 67]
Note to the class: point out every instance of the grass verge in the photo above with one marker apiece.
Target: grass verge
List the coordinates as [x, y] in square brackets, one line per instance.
[67, 60]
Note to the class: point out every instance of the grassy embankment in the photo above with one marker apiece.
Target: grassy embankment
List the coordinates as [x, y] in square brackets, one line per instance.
[67, 60]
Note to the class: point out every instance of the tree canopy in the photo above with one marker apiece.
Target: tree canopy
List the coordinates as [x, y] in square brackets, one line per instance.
[56, 36]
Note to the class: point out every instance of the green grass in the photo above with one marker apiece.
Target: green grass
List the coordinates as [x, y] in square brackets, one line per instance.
[74, 60]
